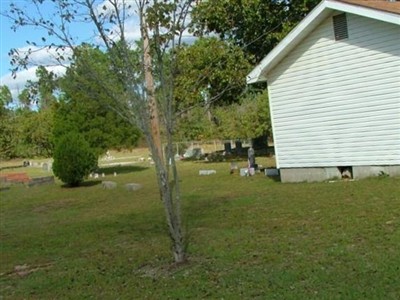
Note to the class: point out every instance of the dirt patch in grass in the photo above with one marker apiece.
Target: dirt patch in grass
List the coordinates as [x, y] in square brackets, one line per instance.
[25, 270]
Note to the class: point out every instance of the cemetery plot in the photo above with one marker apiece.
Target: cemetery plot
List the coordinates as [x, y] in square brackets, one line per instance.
[15, 178]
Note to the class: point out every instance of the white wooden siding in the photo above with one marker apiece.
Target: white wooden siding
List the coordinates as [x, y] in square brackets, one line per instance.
[337, 103]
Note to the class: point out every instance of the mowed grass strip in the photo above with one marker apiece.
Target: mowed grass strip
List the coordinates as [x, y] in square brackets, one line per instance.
[248, 238]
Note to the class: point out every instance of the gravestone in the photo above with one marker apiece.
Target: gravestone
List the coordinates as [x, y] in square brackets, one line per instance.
[227, 147]
[238, 147]
[207, 172]
[271, 172]
[47, 166]
[234, 167]
[108, 185]
[251, 157]
[133, 186]
[41, 181]
[244, 172]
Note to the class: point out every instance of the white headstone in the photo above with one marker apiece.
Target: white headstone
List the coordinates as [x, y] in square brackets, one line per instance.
[207, 172]
[109, 185]
[133, 186]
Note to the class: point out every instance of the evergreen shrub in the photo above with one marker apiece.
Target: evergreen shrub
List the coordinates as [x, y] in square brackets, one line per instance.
[73, 159]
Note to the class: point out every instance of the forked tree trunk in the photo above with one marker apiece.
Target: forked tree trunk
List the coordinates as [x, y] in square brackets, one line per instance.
[173, 219]
[169, 192]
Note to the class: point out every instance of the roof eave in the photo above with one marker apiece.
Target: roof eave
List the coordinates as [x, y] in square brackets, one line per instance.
[368, 12]
[283, 48]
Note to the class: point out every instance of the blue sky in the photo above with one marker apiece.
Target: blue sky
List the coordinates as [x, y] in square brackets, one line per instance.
[18, 40]
[10, 39]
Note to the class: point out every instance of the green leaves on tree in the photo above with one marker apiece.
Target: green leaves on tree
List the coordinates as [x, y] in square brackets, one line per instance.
[255, 25]
[89, 87]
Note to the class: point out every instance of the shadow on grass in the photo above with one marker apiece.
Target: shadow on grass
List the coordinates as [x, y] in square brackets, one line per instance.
[107, 171]
[275, 178]
[121, 169]
[82, 184]
[12, 167]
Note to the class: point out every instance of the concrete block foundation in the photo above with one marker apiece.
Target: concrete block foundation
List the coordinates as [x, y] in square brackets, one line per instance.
[370, 171]
[309, 174]
[333, 173]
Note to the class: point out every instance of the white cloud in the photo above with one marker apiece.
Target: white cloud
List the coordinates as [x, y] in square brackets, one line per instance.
[132, 31]
[131, 23]
[17, 84]
[48, 56]
[38, 57]
[105, 10]
[133, 34]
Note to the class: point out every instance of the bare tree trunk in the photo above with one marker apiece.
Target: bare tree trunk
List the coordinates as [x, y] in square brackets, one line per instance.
[153, 110]
[167, 187]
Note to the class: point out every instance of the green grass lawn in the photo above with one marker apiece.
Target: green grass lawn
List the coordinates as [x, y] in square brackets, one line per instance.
[248, 238]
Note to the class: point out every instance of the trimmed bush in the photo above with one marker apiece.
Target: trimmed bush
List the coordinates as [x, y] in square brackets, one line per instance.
[73, 159]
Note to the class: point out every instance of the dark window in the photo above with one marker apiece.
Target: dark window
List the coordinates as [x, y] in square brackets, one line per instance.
[340, 27]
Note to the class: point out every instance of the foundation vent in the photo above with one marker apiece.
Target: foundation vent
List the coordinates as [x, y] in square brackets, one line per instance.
[346, 172]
